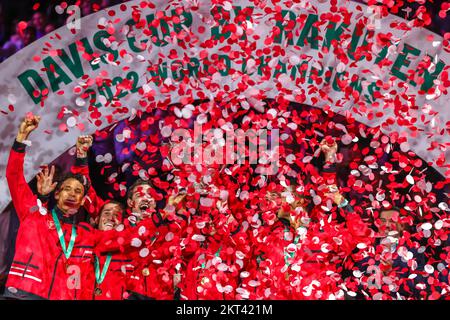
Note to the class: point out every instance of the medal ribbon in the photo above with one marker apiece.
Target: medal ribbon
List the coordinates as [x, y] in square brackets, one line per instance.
[100, 277]
[217, 254]
[289, 254]
[67, 251]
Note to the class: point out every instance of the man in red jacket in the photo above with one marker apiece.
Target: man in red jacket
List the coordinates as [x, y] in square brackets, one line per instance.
[110, 269]
[149, 264]
[154, 266]
[52, 249]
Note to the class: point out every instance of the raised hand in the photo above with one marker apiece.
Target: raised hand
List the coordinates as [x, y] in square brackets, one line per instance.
[28, 124]
[329, 148]
[174, 200]
[45, 184]
[334, 194]
[83, 145]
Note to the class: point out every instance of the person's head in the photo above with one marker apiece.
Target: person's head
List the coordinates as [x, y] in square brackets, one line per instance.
[390, 222]
[29, 35]
[110, 215]
[86, 8]
[38, 21]
[141, 197]
[49, 28]
[15, 26]
[70, 193]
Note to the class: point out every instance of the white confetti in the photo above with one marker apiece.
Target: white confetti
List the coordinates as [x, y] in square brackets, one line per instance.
[142, 230]
[438, 224]
[135, 242]
[71, 122]
[429, 269]
[198, 237]
[427, 226]
[361, 245]
[410, 179]
[144, 252]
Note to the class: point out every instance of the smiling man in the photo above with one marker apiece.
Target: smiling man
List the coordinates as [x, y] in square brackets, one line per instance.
[52, 248]
[141, 200]
[146, 262]
[110, 269]
[145, 281]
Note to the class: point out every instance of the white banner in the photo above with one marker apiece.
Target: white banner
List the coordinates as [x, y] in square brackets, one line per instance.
[297, 44]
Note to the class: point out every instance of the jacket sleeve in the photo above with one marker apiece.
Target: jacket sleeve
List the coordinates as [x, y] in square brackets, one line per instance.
[93, 203]
[22, 196]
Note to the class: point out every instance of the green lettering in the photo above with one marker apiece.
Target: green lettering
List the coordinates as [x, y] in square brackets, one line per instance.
[165, 32]
[52, 69]
[333, 33]
[25, 78]
[158, 72]
[402, 60]
[356, 36]
[193, 67]
[279, 69]
[226, 59]
[175, 66]
[98, 41]
[73, 63]
[310, 33]
[337, 77]
[429, 78]
[288, 33]
[88, 49]
[132, 40]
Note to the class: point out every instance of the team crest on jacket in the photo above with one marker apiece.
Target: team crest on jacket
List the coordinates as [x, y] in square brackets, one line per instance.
[50, 224]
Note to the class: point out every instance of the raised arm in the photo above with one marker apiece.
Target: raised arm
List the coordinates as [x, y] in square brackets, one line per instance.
[23, 198]
[329, 147]
[93, 203]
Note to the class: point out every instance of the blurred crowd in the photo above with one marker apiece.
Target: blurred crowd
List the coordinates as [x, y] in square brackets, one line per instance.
[24, 21]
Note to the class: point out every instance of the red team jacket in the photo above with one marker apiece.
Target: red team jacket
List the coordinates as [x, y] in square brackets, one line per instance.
[40, 269]
[113, 286]
[141, 275]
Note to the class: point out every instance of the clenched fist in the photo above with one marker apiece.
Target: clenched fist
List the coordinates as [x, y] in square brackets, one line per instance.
[83, 145]
[329, 148]
[30, 123]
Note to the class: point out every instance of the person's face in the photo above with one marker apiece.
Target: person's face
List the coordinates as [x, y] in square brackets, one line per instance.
[141, 200]
[70, 197]
[49, 28]
[388, 223]
[110, 217]
[28, 36]
[38, 21]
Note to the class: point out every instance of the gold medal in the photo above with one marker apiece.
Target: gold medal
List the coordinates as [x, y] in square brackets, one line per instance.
[98, 291]
[146, 272]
